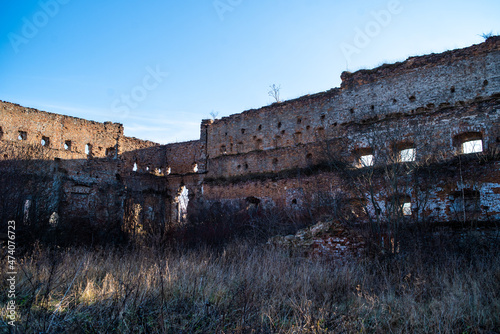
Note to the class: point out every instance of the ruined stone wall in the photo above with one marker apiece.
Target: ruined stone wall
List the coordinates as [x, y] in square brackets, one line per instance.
[423, 85]
[81, 170]
[128, 144]
[431, 104]
[69, 135]
[433, 197]
[297, 155]
[184, 158]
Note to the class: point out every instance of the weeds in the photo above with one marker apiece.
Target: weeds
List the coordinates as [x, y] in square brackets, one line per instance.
[246, 288]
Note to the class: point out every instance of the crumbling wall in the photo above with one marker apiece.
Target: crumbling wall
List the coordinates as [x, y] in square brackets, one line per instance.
[419, 85]
[185, 158]
[431, 104]
[76, 170]
[300, 155]
[127, 144]
[68, 135]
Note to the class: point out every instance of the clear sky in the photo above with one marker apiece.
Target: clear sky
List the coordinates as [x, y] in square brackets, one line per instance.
[160, 66]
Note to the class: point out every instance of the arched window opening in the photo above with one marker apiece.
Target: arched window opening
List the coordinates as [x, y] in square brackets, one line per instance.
[469, 142]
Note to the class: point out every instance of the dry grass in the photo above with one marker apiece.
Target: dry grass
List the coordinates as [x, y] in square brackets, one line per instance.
[246, 289]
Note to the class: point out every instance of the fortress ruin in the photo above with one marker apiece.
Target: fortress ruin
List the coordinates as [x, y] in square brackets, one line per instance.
[417, 139]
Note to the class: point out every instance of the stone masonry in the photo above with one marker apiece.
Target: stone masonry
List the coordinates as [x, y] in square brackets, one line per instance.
[399, 133]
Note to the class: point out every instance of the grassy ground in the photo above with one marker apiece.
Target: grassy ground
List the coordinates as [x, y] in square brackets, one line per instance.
[247, 289]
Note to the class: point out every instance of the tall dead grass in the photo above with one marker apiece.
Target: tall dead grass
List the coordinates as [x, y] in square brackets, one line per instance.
[246, 288]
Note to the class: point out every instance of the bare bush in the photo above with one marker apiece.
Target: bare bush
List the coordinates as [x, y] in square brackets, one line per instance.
[274, 92]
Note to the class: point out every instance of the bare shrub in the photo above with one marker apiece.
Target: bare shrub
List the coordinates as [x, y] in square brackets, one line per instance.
[220, 223]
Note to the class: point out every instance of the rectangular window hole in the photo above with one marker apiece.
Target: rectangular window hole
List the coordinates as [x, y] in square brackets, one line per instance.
[472, 146]
[406, 209]
[366, 160]
[67, 145]
[407, 155]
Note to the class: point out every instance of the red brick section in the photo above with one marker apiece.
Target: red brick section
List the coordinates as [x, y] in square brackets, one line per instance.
[327, 238]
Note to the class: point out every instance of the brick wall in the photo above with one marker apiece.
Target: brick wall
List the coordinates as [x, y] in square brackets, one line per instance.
[290, 154]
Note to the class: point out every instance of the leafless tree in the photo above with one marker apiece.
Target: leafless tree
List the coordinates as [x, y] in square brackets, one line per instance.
[387, 183]
[274, 92]
[486, 35]
[214, 114]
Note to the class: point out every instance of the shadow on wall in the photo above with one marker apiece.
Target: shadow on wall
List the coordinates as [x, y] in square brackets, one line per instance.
[81, 201]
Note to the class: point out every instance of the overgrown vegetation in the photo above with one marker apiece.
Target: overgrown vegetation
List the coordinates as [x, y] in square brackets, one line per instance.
[453, 286]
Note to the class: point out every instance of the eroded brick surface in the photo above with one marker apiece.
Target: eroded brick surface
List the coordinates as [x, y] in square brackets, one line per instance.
[298, 155]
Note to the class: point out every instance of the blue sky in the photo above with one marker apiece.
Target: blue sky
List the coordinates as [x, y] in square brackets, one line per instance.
[160, 67]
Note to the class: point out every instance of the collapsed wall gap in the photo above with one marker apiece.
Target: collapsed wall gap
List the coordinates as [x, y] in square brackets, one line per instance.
[182, 204]
[88, 149]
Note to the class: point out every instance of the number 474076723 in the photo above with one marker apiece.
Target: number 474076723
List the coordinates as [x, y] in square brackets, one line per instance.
[11, 235]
